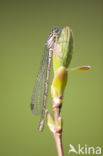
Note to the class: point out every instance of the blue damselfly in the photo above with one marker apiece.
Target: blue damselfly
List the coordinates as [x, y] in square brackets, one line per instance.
[40, 92]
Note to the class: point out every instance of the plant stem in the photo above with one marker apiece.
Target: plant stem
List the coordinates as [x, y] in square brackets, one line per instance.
[58, 140]
[58, 132]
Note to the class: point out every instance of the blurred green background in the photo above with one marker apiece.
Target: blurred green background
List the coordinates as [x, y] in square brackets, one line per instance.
[24, 27]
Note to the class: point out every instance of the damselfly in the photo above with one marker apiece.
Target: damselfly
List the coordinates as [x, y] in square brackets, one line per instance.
[40, 92]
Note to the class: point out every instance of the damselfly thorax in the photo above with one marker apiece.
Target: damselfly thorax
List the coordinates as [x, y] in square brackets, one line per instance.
[52, 38]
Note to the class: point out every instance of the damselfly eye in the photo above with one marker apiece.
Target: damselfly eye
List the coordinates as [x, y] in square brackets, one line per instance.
[55, 29]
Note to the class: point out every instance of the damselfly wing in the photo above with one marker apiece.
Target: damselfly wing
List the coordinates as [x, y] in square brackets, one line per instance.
[40, 92]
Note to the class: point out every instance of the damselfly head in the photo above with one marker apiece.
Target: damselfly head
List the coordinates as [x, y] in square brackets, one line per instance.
[55, 30]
